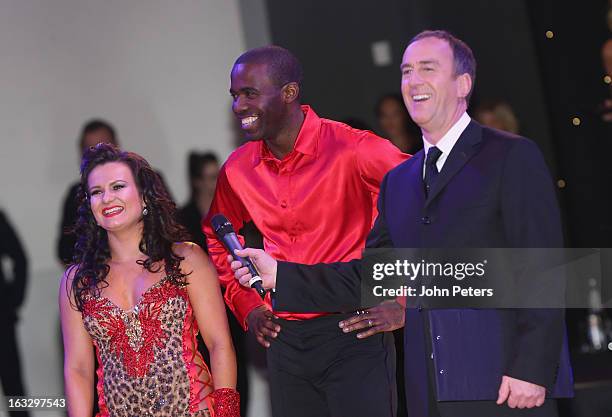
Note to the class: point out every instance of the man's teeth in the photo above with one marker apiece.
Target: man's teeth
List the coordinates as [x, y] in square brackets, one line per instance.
[248, 121]
[421, 97]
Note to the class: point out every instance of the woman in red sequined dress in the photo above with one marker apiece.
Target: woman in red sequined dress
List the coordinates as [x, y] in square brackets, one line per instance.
[139, 295]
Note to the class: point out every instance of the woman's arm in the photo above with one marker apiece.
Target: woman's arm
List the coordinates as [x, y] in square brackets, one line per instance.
[207, 302]
[78, 353]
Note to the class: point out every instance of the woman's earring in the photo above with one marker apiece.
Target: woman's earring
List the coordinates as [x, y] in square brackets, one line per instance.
[145, 211]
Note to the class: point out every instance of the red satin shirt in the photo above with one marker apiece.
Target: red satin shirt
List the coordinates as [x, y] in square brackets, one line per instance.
[316, 205]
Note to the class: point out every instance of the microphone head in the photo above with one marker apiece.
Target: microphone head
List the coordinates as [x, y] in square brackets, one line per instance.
[221, 225]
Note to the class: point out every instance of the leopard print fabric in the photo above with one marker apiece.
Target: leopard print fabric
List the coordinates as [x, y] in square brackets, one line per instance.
[149, 364]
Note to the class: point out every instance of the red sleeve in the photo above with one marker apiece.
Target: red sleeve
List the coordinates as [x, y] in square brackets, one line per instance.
[239, 299]
[375, 157]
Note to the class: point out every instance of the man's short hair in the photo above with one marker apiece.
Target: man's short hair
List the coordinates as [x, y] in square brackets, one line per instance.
[283, 66]
[197, 161]
[98, 124]
[463, 57]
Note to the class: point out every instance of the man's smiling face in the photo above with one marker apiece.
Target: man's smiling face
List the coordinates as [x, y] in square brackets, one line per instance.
[257, 101]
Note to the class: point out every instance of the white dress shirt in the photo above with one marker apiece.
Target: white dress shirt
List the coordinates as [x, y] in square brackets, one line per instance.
[446, 143]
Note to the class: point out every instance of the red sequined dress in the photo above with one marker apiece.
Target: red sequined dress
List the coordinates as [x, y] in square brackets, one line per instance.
[149, 363]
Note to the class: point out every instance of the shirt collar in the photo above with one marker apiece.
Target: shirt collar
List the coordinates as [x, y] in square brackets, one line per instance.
[446, 143]
[306, 142]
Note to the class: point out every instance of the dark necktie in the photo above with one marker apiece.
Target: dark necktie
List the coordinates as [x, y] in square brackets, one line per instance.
[431, 170]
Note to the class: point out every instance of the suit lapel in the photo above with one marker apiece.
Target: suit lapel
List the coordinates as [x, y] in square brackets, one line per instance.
[464, 149]
[404, 195]
[415, 178]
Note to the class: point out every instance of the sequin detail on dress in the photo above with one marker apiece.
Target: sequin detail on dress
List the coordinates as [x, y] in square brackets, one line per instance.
[149, 364]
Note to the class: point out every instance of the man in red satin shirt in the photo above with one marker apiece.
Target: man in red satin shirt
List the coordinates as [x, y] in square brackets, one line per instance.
[310, 186]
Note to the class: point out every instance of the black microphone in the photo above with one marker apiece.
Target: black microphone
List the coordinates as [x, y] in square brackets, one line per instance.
[225, 232]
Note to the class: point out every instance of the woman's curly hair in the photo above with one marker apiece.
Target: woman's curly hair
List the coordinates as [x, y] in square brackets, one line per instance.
[161, 229]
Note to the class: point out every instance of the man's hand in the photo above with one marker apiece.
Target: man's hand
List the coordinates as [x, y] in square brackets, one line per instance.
[385, 317]
[260, 323]
[520, 394]
[265, 264]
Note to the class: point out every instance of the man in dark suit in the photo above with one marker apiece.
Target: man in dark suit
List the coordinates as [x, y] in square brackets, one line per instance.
[471, 186]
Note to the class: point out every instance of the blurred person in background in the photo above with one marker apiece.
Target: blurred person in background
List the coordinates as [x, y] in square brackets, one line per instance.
[203, 169]
[139, 293]
[497, 114]
[396, 125]
[12, 294]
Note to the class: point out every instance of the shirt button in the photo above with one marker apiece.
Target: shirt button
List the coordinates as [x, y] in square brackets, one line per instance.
[283, 204]
[441, 371]
[438, 337]
[431, 355]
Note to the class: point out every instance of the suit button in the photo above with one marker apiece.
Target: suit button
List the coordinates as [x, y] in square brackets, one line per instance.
[438, 337]
[426, 220]
[441, 371]
[283, 204]
[419, 309]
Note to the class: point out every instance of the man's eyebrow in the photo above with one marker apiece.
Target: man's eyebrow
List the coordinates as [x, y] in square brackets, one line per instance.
[423, 62]
[429, 62]
[404, 66]
[242, 90]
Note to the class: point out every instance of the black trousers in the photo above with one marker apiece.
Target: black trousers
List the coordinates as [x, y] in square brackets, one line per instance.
[317, 370]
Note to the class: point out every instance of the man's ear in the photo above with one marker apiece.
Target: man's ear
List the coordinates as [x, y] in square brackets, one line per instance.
[464, 85]
[290, 92]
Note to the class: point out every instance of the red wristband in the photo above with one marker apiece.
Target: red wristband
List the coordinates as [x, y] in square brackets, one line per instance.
[226, 402]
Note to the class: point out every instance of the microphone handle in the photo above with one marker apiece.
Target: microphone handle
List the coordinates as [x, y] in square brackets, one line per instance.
[232, 243]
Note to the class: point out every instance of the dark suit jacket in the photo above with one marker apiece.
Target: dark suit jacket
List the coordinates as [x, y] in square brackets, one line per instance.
[65, 239]
[493, 191]
[190, 217]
